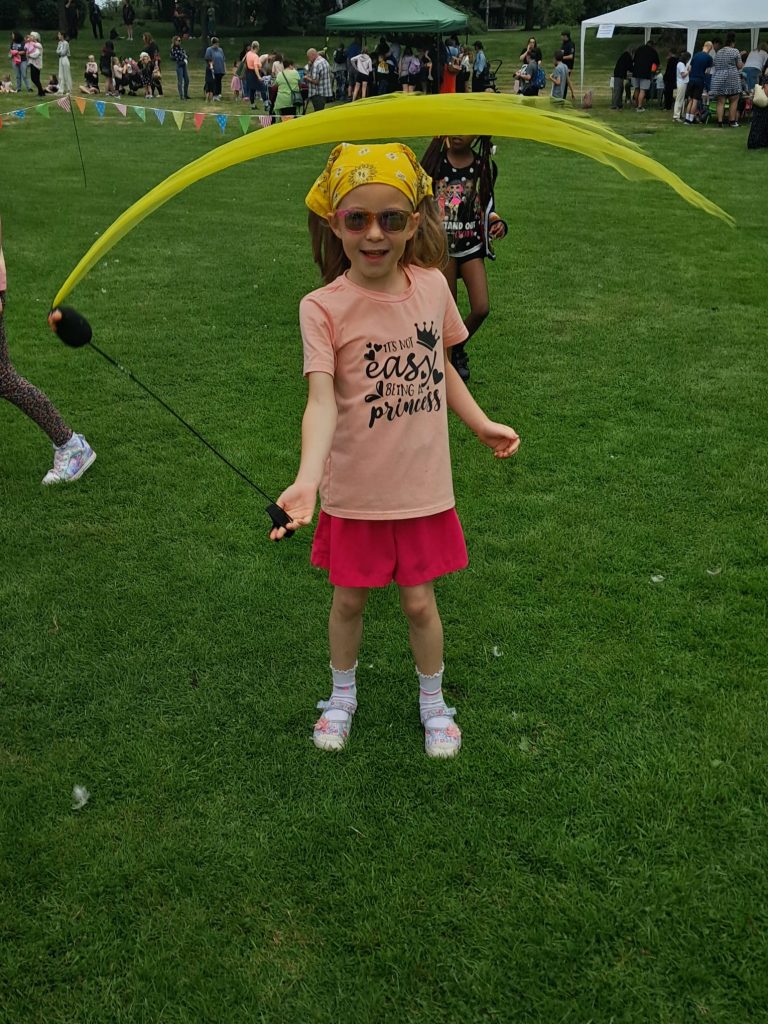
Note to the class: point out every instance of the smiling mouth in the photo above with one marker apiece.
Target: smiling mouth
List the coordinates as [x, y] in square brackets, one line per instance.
[374, 253]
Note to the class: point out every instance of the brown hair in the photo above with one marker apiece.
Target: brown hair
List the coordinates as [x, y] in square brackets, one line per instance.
[427, 248]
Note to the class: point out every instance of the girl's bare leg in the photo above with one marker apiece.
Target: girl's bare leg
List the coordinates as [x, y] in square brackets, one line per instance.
[424, 627]
[345, 625]
[476, 283]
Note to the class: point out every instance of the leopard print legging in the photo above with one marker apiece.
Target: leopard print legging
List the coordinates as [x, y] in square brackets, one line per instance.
[26, 396]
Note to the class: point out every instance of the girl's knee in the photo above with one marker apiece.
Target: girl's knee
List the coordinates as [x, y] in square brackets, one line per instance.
[480, 310]
[349, 601]
[418, 604]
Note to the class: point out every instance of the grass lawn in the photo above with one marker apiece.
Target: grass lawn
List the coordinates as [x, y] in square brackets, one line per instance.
[597, 852]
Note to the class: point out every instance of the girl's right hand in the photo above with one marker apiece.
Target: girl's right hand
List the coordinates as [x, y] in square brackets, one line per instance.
[298, 501]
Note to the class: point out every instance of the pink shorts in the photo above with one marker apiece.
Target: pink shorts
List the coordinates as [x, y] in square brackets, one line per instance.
[374, 552]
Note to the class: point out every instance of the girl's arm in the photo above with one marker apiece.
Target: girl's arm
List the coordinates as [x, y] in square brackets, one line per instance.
[317, 429]
[501, 438]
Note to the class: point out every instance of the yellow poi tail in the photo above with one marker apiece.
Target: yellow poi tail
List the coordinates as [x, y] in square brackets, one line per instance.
[401, 116]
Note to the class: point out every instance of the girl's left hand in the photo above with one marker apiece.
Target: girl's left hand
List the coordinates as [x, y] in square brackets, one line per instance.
[498, 228]
[501, 438]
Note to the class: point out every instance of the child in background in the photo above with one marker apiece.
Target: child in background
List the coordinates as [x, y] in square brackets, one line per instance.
[236, 85]
[463, 177]
[52, 85]
[375, 429]
[72, 454]
[682, 71]
[210, 82]
[6, 85]
[118, 89]
[91, 86]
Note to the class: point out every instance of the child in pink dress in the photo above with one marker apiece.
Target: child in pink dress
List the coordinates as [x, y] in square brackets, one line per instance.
[375, 429]
[236, 85]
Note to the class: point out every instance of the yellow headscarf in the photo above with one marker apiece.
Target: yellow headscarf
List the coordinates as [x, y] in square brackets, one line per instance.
[390, 163]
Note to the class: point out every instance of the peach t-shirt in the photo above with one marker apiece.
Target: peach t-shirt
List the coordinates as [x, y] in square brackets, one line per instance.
[389, 457]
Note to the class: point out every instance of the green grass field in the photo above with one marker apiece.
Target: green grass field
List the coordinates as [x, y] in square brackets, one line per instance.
[597, 852]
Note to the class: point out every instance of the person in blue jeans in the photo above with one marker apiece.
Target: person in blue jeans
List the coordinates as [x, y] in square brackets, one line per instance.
[179, 56]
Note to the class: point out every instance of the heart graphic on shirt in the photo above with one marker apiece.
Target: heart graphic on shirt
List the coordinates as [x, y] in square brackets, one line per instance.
[437, 376]
[370, 356]
[378, 348]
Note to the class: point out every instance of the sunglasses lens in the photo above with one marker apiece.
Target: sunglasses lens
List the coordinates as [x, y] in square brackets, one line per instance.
[393, 220]
[356, 220]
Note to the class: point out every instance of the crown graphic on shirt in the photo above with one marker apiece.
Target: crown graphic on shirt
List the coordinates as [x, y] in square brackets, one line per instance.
[426, 336]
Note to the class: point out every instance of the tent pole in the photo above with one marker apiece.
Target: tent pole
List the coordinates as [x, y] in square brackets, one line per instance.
[581, 62]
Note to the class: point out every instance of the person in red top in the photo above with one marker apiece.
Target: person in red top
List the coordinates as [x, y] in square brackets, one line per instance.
[375, 429]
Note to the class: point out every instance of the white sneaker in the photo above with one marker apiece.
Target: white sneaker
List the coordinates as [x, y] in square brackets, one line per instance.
[70, 461]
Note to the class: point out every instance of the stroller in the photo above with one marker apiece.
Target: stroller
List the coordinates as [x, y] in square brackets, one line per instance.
[493, 74]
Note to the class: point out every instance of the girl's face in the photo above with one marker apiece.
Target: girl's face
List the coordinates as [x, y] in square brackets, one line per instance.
[374, 251]
[460, 143]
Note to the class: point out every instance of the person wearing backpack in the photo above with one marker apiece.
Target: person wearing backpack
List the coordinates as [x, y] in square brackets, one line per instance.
[410, 68]
[531, 77]
[339, 69]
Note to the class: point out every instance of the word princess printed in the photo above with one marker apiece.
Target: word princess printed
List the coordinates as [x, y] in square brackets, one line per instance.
[414, 374]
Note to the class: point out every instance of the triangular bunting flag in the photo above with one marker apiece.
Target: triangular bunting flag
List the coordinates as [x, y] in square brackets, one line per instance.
[245, 123]
[21, 114]
[101, 106]
[140, 112]
[80, 104]
[222, 119]
[178, 117]
[1, 122]
[265, 120]
[64, 103]
[122, 108]
[43, 110]
[199, 118]
[287, 117]
[159, 114]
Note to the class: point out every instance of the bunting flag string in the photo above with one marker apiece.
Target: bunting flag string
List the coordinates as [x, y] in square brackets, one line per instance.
[244, 121]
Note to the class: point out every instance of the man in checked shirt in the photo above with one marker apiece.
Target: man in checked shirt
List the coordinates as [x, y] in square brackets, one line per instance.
[318, 79]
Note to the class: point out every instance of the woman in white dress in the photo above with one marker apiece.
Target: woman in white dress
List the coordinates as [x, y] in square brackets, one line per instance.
[65, 72]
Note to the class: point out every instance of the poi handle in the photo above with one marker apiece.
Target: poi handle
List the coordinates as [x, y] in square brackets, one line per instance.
[279, 518]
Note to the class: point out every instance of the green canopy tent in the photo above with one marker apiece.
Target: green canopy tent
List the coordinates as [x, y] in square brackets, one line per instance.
[430, 16]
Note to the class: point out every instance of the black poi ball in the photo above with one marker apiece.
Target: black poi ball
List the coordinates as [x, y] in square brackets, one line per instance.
[73, 329]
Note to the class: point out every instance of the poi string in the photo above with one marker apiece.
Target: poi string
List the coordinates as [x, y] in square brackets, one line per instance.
[400, 117]
[75, 331]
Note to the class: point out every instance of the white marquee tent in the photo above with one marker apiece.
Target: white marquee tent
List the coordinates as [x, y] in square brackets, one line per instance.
[692, 15]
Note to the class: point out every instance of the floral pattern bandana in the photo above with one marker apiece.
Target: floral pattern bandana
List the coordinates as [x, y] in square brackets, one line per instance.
[350, 165]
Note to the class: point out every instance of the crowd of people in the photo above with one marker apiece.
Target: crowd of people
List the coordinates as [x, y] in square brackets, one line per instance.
[697, 87]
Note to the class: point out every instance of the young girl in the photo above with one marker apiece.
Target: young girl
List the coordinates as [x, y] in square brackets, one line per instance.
[210, 81]
[236, 85]
[72, 454]
[375, 429]
[91, 86]
[463, 175]
[6, 85]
